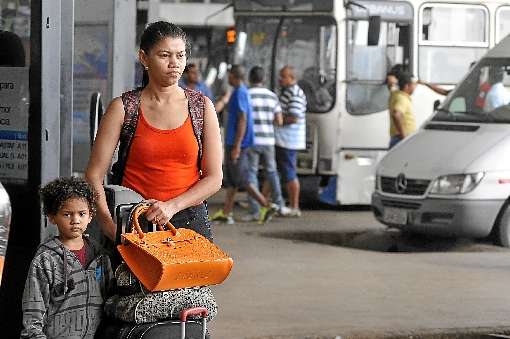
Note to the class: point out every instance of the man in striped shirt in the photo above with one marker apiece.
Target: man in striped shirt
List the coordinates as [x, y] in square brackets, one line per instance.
[266, 112]
[291, 137]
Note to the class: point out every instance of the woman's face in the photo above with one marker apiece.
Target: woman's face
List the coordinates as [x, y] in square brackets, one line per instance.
[166, 61]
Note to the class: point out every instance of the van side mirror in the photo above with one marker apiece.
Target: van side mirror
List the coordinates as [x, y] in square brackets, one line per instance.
[436, 104]
[374, 29]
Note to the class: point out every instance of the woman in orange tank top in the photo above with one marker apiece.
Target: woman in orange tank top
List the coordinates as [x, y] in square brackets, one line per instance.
[163, 159]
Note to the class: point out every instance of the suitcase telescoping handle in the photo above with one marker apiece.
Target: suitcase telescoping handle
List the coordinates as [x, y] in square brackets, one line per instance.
[141, 209]
[201, 311]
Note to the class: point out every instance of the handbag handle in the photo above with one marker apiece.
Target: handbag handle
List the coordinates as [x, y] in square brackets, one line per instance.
[141, 209]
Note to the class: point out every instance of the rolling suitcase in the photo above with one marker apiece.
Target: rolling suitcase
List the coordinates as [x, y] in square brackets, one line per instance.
[170, 329]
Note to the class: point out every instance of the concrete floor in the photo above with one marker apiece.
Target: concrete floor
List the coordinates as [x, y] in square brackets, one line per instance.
[287, 288]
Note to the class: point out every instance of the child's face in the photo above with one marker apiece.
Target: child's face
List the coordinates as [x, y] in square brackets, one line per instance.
[72, 218]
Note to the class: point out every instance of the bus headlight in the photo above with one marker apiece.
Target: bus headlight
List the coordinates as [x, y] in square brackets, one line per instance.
[456, 183]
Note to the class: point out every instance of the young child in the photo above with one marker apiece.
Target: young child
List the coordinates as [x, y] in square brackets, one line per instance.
[69, 277]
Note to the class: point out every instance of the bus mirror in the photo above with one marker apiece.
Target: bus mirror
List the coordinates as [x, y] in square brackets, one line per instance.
[436, 104]
[374, 28]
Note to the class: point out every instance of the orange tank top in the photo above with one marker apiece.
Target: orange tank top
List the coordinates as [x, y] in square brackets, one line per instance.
[162, 164]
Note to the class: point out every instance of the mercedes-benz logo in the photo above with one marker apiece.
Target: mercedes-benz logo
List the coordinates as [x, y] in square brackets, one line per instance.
[400, 183]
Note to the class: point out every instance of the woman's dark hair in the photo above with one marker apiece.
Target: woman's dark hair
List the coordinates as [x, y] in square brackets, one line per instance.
[154, 33]
[55, 194]
[256, 75]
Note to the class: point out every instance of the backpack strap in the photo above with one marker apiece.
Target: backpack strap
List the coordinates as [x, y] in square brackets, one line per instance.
[131, 102]
[196, 107]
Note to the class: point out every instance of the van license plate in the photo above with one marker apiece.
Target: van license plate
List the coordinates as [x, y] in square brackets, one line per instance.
[395, 216]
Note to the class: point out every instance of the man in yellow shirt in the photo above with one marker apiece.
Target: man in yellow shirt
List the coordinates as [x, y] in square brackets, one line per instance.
[402, 122]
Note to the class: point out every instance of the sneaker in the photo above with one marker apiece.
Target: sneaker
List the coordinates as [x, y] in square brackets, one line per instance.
[249, 217]
[284, 211]
[295, 212]
[220, 216]
[266, 213]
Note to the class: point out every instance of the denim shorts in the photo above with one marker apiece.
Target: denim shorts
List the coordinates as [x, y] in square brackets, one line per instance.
[286, 159]
[234, 171]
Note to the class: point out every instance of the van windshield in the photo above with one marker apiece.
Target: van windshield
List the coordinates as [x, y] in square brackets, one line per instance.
[482, 97]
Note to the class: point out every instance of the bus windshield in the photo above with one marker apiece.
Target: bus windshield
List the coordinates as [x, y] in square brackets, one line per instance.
[482, 97]
[306, 43]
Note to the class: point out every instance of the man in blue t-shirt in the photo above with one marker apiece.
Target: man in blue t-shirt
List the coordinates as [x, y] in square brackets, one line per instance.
[238, 138]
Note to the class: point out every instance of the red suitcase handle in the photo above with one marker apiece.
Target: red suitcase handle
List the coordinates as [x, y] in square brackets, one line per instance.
[202, 311]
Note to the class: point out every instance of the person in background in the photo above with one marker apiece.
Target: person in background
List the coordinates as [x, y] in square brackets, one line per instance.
[69, 278]
[435, 88]
[267, 112]
[402, 121]
[291, 136]
[12, 53]
[238, 138]
[498, 95]
[168, 162]
[191, 79]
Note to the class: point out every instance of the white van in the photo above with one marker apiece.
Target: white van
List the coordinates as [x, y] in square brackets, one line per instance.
[452, 177]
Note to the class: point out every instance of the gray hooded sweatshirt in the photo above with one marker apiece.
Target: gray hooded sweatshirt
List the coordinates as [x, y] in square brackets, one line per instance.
[63, 299]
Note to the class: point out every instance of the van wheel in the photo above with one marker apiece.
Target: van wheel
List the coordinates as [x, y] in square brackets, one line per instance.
[503, 227]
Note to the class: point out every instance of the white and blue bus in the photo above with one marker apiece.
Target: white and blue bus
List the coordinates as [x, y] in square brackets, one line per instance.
[342, 50]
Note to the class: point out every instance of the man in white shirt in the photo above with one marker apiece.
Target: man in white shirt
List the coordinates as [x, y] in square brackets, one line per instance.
[498, 94]
[291, 137]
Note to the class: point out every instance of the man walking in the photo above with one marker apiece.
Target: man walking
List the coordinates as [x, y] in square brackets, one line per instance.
[266, 113]
[291, 136]
[239, 137]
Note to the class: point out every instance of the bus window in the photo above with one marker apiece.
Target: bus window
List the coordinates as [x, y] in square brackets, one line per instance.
[306, 43]
[502, 22]
[456, 42]
[367, 65]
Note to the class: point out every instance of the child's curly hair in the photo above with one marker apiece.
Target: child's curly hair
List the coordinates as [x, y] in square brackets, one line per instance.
[55, 193]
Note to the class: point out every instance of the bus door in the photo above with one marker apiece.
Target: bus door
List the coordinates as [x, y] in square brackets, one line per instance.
[363, 122]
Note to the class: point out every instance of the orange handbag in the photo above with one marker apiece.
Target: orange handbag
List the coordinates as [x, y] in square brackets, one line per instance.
[175, 258]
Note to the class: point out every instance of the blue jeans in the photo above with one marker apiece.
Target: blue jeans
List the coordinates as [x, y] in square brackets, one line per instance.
[195, 218]
[395, 140]
[267, 154]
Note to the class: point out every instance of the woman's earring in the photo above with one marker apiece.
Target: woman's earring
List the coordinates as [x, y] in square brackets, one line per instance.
[146, 68]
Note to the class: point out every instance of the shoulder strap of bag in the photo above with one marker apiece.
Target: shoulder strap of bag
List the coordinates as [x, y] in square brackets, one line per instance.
[131, 102]
[196, 106]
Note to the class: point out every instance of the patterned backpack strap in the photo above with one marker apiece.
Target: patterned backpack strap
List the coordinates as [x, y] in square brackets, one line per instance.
[196, 106]
[131, 102]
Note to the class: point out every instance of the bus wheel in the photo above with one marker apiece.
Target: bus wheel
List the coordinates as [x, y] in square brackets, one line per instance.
[503, 227]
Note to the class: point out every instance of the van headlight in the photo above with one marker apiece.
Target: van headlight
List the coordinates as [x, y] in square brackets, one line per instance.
[456, 183]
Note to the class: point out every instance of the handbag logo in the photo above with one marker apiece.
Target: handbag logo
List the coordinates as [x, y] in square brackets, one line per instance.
[193, 275]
